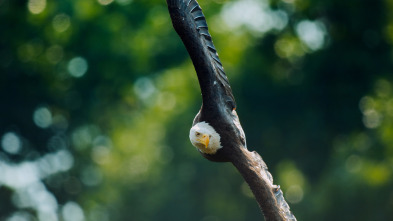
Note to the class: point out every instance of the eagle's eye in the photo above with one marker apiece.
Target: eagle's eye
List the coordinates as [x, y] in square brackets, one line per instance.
[210, 136]
[197, 134]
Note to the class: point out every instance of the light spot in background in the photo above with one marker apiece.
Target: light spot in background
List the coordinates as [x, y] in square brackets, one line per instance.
[77, 67]
[42, 117]
[254, 15]
[102, 140]
[288, 47]
[294, 194]
[280, 19]
[377, 173]
[101, 149]
[166, 100]
[144, 88]
[311, 33]
[47, 216]
[55, 162]
[389, 107]
[20, 216]
[156, 132]
[91, 176]
[99, 213]
[362, 142]
[36, 196]
[61, 22]
[138, 165]
[105, 2]
[65, 159]
[27, 173]
[54, 54]
[100, 154]
[11, 143]
[36, 6]
[372, 119]
[19, 176]
[366, 103]
[353, 164]
[56, 143]
[44, 201]
[71, 211]
[292, 180]
[82, 137]
[30, 50]
[383, 88]
[29, 191]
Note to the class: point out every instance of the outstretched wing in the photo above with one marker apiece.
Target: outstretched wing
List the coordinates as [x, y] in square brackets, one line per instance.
[190, 24]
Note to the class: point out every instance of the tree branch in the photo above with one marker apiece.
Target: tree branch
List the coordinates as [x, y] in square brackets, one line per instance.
[218, 110]
[269, 197]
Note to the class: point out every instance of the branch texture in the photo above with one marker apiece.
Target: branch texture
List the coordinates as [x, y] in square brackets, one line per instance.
[269, 197]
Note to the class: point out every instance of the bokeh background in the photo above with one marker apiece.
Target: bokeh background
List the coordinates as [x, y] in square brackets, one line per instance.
[97, 98]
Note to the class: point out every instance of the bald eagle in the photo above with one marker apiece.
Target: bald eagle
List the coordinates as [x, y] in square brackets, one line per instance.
[216, 131]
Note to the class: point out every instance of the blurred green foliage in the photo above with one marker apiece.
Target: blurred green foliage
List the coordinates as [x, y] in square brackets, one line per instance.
[97, 99]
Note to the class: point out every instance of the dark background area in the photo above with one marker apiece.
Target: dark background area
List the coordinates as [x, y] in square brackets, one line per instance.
[97, 99]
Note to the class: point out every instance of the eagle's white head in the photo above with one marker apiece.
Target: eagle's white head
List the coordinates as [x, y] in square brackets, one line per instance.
[205, 138]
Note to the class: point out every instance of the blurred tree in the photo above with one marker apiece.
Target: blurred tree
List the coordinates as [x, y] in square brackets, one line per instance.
[97, 98]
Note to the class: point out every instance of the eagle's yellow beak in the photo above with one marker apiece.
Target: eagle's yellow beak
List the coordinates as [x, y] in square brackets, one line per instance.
[204, 140]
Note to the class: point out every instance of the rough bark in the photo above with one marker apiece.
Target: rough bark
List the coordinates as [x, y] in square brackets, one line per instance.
[269, 197]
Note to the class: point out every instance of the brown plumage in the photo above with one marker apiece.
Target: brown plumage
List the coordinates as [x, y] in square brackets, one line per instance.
[218, 103]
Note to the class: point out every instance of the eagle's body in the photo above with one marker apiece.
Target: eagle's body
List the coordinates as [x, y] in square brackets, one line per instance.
[218, 103]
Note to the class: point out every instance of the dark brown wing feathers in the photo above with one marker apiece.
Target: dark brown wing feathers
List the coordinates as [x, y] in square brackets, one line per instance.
[190, 23]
